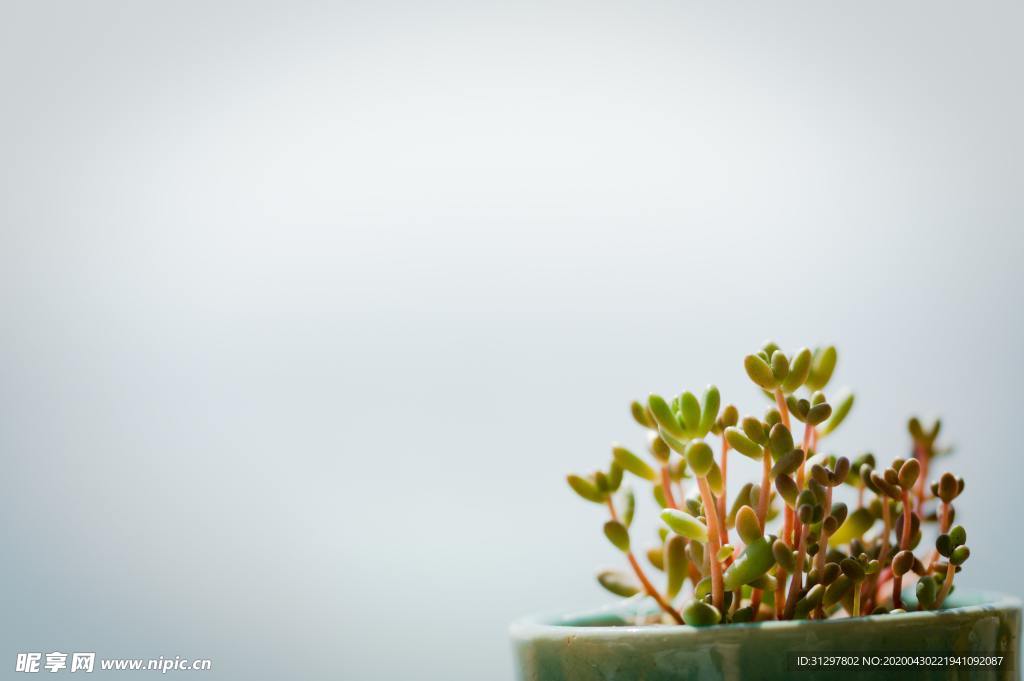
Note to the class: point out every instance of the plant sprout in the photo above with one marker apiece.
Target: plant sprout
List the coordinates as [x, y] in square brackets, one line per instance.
[788, 546]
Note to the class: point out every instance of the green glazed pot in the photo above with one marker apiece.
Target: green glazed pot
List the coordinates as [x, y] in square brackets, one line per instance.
[600, 646]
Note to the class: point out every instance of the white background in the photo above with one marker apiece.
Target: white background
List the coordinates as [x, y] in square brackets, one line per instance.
[306, 309]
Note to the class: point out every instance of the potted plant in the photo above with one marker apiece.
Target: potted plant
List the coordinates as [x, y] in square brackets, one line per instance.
[824, 564]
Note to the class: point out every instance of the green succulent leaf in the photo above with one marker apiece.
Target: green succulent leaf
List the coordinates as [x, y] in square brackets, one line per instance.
[699, 457]
[676, 564]
[617, 534]
[628, 505]
[852, 569]
[902, 563]
[754, 562]
[730, 415]
[760, 372]
[618, 583]
[857, 523]
[710, 403]
[780, 440]
[809, 602]
[960, 555]
[640, 415]
[835, 591]
[659, 448]
[780, 366]
[701, 614]
[715, 480]
[787, 489]
[684, 524]
[839, 513]
[926, 592]
[916, 431]
[614, 477]
[765, 582]
[829, 573]
[659, 496]
[689, 412]
[948, 487]
[666, 419]
[818, 413]
[656, 556]
[958, 535]
[744, 614]
[696, 552]
[748, 526]
[909, 472]
[677, 469]
[675, 444]
[822, 366]
[843, 406]
[799, 369]
[788, 463]
[783, 555]
[754, 430]
[633, 463]
[743, 444]
[585, 488]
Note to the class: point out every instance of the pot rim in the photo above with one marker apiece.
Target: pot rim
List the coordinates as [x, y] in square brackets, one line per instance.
[559, 624]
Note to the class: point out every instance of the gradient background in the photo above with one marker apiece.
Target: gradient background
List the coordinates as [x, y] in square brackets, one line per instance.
[307, 308]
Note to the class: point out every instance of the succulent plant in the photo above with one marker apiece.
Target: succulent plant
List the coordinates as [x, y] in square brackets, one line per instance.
[843, 530]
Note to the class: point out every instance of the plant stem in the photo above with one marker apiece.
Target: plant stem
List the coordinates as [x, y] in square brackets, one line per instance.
[797, 582]
[722, 513]
[947, 584]
[923, 459]
[766, 489]
[871, 590]
[780, 402]
[886, 527]
[762, 519]
[648, 587]
[880, 581]
[897, 580]
[787, 527]
[666, 486]
[905, 539]
[651, 591]
[943, 528]
[856, 599]
[801, 479]
[711, 511]
[780, 592]
[611, 509]
[694, 573]
[819, 558]
[797, 530]
[800, 475]
[755, 603]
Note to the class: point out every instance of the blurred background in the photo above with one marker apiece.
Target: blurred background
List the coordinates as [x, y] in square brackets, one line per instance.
[308, 308]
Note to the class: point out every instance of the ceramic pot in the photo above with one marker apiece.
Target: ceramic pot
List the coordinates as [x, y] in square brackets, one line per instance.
[600, 646]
